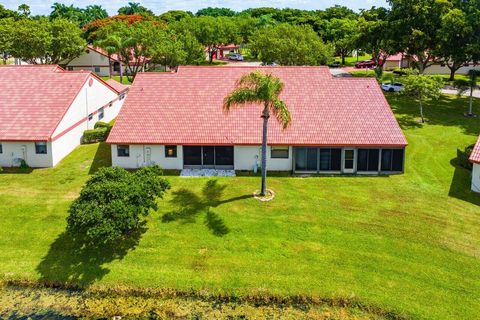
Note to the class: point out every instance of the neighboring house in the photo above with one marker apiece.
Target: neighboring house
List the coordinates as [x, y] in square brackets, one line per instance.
[401, 60]
[339, 125]
[223, 51]
[475, 159]
[96, 60]
[398, 60]
[45, 109]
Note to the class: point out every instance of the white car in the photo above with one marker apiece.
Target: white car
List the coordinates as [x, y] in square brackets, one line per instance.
[392, 87]
[236, 57]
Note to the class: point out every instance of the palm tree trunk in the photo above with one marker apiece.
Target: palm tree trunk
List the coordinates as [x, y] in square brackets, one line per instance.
[265, 117]
[110, 66]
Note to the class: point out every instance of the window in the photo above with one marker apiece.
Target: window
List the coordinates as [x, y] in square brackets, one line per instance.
[349, 158]
[101, 113]
[392, 160]
[279, 153]
[40, 147]
[97, 69]
[1, 148]
[123, 151]
[170, 151]
[318, 159]
[90, 117]
[368, 160]
[69, 68]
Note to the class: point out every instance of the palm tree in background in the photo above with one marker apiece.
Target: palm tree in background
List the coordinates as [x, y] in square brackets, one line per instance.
[265, 89]
[471, 84]
[111, 45]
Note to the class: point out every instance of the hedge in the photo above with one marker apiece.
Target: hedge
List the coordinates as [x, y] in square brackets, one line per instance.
[95, 135]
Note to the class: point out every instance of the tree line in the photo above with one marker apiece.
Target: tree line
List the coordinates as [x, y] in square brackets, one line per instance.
[432, 31]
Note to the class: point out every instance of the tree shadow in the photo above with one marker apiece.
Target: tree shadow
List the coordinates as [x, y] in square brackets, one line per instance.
[460, 187]
[188, 205]
[447, 111]
[74, 261]
[102, 158]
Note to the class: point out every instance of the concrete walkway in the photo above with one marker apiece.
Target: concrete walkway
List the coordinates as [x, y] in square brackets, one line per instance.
[476, 93]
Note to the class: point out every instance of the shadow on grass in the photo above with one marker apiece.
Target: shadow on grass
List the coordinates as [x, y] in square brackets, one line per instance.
[460, 186]
[44, 315]
[73, 261]
[102, 158]
[189, 205]
[447, 111]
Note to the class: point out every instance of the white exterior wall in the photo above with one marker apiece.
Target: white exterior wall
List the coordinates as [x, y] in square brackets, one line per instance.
[89, 100]
[476, 178]
[88, 61]
[13, 151]
[245, 158]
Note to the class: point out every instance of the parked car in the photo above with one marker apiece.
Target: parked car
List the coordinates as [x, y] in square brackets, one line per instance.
[365, 64]
[235, 57]
[392, 87]
[335, 64]
[266, 64]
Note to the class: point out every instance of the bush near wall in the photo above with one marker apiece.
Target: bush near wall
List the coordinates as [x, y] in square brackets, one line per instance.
[99, 133]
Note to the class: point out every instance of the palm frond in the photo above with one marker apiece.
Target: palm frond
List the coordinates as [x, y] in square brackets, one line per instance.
[240, 96]
[280, 110]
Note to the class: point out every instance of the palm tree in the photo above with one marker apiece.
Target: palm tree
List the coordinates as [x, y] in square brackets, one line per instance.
[468, 85]
[111, 45]
[261, 88]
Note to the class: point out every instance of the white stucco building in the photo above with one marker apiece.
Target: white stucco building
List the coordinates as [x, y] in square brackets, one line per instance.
[44, 111]
[475, 159]
[339, 125]
[96, 60]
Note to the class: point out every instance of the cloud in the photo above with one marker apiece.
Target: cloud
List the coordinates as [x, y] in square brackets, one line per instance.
[159, 6]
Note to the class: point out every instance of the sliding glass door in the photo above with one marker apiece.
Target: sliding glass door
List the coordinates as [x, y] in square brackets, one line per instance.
[208, 157]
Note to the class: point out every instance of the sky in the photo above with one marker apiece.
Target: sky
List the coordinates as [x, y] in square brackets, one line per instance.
[160, 6]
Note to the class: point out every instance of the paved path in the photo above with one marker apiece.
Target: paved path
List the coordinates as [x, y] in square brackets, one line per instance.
[476, 93]
[339, 72]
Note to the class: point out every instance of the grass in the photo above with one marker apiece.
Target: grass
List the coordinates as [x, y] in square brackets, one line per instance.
[407, 243]
[350, 61]
[117, 78]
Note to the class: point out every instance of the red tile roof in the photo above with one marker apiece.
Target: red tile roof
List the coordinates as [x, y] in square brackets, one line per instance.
[34, 98]
[186, 108]
[117, 85]
[475, 156]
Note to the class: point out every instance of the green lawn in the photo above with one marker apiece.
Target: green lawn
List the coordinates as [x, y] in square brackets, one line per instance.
[350, 61]
[405, 243]
[117, 78]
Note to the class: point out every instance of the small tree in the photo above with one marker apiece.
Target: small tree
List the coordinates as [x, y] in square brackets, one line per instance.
[113, 202]
[257, 87]
[464, 86]
[422, 88]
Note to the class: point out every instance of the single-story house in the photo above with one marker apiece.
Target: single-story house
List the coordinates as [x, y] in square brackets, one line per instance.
[223, 51]
[44, 111]
[339, 125]
[95, 59]
[475, 159]
[402, 60]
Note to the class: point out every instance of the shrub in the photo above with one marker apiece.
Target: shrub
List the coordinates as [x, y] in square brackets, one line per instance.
[463, 156]
[101, 124]
[114, 202]
[24, 165]
[95, 135]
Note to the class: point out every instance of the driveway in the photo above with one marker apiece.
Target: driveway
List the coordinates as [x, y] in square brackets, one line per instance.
[339, 72]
